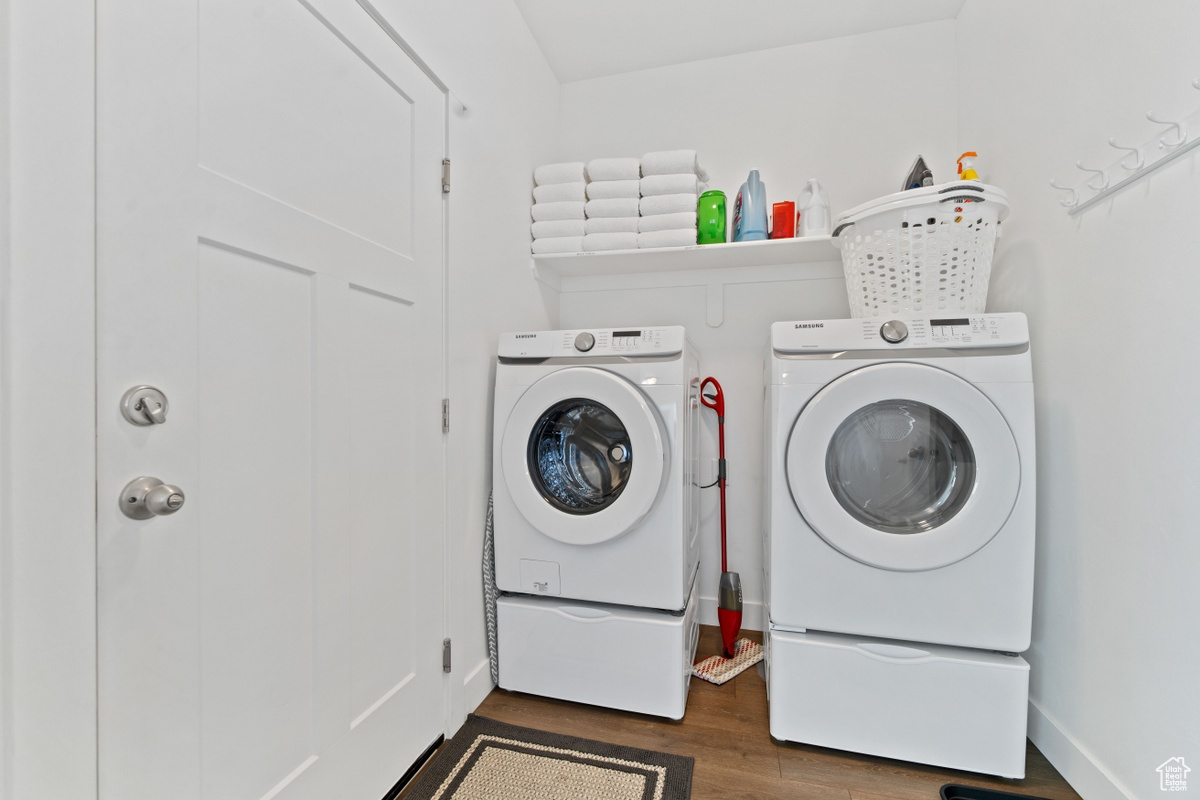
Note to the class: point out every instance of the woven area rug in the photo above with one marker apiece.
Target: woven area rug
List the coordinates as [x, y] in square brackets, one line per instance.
[489, 760]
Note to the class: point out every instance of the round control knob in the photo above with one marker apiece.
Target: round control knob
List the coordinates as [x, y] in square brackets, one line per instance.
[894, 331]
[584, 342]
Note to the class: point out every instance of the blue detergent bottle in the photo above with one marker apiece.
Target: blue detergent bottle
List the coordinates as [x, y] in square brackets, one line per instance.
[750, 210]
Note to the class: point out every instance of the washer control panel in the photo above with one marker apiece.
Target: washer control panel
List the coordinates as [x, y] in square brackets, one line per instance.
[906, 333]
[593, 343]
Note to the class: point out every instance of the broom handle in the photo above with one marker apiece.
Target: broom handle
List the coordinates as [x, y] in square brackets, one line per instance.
[718, 404]
[721, 485]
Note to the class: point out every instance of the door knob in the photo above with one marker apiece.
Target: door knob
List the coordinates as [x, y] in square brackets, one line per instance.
[144, 405]
[143, 498]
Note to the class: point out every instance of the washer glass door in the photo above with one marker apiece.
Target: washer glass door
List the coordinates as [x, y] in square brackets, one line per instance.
[584, 455]
[580, 456]
[903, 466]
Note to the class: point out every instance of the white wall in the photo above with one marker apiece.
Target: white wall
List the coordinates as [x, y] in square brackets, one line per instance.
[1111, 297]
[853, 113]
[485, 54]
[47, 413]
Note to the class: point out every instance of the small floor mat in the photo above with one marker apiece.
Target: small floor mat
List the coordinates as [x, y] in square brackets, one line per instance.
[489, 760]
[719, 669]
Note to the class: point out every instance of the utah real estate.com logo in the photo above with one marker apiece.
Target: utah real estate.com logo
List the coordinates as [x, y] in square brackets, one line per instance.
[1172, 775]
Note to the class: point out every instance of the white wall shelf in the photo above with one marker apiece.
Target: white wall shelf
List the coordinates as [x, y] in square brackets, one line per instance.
[714, 266]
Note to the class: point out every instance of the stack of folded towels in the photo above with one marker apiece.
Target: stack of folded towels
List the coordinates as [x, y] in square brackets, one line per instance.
[672, 182]
[559, 195]
[613, 191]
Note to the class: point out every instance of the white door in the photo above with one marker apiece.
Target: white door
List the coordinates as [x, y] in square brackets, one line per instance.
[269, 256]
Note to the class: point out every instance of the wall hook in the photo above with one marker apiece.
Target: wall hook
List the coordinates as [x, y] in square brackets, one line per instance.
[1103, 177]
[1069, 202]
[1196, 83]
[1139, 159]
[1180, 128]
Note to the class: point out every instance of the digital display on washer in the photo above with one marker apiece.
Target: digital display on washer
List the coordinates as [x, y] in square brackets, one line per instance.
[627, 334]
[938, 323]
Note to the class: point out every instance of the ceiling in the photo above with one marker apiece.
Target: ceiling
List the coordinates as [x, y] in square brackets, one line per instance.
[594, 38]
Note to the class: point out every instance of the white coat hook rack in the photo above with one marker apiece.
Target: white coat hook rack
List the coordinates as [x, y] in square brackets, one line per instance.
[1157, 151]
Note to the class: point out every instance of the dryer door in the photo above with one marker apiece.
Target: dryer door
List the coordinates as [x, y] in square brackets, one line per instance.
[584, 454]
[903, 466]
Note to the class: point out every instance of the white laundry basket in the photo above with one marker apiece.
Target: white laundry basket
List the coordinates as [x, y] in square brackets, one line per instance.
[921, 251]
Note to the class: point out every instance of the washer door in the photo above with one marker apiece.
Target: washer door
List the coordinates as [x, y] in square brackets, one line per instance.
[584, 455]
[903, 466]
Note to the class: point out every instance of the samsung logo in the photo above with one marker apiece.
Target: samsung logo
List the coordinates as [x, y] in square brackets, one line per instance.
[524, 335]
[810, 324]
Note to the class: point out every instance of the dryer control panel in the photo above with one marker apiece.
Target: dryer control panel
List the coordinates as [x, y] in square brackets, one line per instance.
[593, 343]
[971, 331]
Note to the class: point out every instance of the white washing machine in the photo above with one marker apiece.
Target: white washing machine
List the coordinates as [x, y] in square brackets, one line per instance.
[594, 462]
[900, 533]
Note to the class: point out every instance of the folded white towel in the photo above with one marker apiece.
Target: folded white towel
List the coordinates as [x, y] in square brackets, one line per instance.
[559, 244]
[672, 162]
[559, 192]
[567, 172]
[671, 184]
[557, 227]
[543, 212]
[614, 169]
[610, 241]
[667, 204]
[683, 220]
[611, 190]
[666, 239]
[611, 225]
[623, 207]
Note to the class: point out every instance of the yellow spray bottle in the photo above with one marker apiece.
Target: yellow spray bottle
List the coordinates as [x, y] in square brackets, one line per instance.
[966, 166]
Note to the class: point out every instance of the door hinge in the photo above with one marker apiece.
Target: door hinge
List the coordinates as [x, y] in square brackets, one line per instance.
[445, 655]
[445, 176]
[445, 415]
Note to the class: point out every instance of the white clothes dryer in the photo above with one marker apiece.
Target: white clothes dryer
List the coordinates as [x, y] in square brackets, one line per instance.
[594, 466]
[900, 537]
[900, 500]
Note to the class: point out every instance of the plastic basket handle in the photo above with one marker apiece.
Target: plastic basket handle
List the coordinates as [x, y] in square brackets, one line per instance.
[918, 201]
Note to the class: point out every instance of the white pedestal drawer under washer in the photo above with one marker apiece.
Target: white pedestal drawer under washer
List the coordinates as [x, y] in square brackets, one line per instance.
[594, 466]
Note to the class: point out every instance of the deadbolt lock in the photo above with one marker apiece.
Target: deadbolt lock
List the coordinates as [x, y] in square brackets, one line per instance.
[144, 405]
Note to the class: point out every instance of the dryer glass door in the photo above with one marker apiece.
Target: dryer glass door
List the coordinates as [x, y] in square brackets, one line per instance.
[900, 466]
[903, 466]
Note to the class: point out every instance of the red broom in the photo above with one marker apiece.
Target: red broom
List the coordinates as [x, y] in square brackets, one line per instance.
[729, 594]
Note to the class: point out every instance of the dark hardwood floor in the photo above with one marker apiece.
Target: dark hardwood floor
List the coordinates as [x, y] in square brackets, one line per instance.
[725, 730]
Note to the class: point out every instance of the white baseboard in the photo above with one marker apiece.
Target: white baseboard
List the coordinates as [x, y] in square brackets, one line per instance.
[1081, 769]
[477, 685]
[753, 618]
